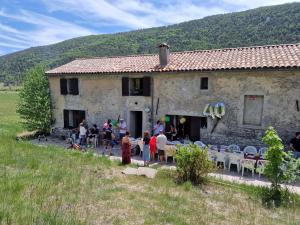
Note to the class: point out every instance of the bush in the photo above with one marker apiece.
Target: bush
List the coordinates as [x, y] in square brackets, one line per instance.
[192, 164]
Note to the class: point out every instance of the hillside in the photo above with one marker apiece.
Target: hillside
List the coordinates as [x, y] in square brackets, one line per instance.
[267, 25]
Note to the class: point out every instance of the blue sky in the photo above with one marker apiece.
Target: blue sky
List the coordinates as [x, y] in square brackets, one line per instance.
[28, 23]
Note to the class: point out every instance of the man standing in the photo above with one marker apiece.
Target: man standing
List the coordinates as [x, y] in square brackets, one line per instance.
[161, 142]
[295, 145]
[123, 129]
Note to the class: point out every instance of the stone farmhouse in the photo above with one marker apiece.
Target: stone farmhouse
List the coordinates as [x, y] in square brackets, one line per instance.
[260, 86]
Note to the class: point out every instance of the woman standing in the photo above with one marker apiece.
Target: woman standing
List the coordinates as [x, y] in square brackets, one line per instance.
[173, 132]
[109, 139]
[126, 149]
[153, 147]
[146, 148]
[82, 135]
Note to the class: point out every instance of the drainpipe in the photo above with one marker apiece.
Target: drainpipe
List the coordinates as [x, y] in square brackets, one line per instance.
[152, 105]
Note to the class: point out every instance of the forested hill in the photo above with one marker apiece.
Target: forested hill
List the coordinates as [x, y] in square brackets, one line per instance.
[267, 25]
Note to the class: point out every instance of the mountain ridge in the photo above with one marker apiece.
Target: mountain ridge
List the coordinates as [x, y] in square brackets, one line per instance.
[262, 26]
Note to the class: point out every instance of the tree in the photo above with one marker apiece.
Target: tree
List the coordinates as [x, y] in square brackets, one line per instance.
[281, 167]
[34, 105]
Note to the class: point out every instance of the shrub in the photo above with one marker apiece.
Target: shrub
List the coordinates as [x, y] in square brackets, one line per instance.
[34, 106]
[281, 168]
[192, 164]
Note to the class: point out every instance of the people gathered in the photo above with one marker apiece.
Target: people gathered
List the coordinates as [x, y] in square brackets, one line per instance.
[115, 133]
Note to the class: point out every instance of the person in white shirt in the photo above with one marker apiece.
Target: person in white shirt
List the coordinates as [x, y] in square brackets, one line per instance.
[123, 128]
[82, 134]
[161, 142]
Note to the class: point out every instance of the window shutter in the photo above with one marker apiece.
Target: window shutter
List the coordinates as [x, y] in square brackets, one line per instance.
[66, 118]
[63, 86]
[125, 86]
[74, 86]
[147, 86]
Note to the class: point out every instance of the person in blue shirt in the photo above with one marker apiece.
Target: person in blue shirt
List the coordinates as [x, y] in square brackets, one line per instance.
[158, 127]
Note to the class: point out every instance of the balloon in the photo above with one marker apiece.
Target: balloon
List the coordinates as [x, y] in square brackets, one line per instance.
[114, 123]
[167, 118]
[182, 120]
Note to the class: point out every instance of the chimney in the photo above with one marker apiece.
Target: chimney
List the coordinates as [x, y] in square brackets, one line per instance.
[164, 54]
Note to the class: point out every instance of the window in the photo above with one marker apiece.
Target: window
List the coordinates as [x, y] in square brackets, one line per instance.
[203, 122]
[253, 109]
[72, 118]
[136, 86]
[69, 86]
[204, 83]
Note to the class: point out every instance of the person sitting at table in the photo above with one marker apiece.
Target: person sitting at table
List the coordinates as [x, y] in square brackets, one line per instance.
[153, 147]
[93, 133]
[173, 132]
[161, 142]
[126, 149]
[295, 145]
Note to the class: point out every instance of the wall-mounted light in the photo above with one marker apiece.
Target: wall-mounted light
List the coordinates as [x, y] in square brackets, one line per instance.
[147, 109]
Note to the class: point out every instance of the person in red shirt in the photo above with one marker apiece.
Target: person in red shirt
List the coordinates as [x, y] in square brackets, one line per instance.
[153, 147]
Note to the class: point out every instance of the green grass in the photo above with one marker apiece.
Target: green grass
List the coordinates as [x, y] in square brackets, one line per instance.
[49, 185]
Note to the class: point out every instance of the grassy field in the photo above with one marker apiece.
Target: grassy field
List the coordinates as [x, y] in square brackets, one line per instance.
[47, 185]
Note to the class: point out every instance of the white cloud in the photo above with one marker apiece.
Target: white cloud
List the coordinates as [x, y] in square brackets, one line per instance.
[133, 14]
[98, 14]
[44, 30]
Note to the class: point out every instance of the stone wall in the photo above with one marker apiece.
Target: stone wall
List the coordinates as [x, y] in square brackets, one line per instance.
[180, 94]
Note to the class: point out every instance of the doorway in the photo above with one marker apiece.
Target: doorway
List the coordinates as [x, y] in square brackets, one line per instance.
[190, 128]
[136, 124]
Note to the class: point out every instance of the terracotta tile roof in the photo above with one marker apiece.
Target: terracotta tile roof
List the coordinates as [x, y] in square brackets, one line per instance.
[258, 57]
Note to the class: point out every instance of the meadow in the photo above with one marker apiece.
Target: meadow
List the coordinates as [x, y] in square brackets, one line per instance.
[50, 185]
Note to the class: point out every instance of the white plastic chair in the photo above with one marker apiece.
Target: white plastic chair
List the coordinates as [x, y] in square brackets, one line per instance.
[261, 164]
[140, 143]
[96, 141]
[212, 155]
[248, 164]
[235, 159]
[250, 150]
[200, 143]
[233, 148]
[221, 157]
[223, 148]
[213, 147]
[262, 152]
[170, 151]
